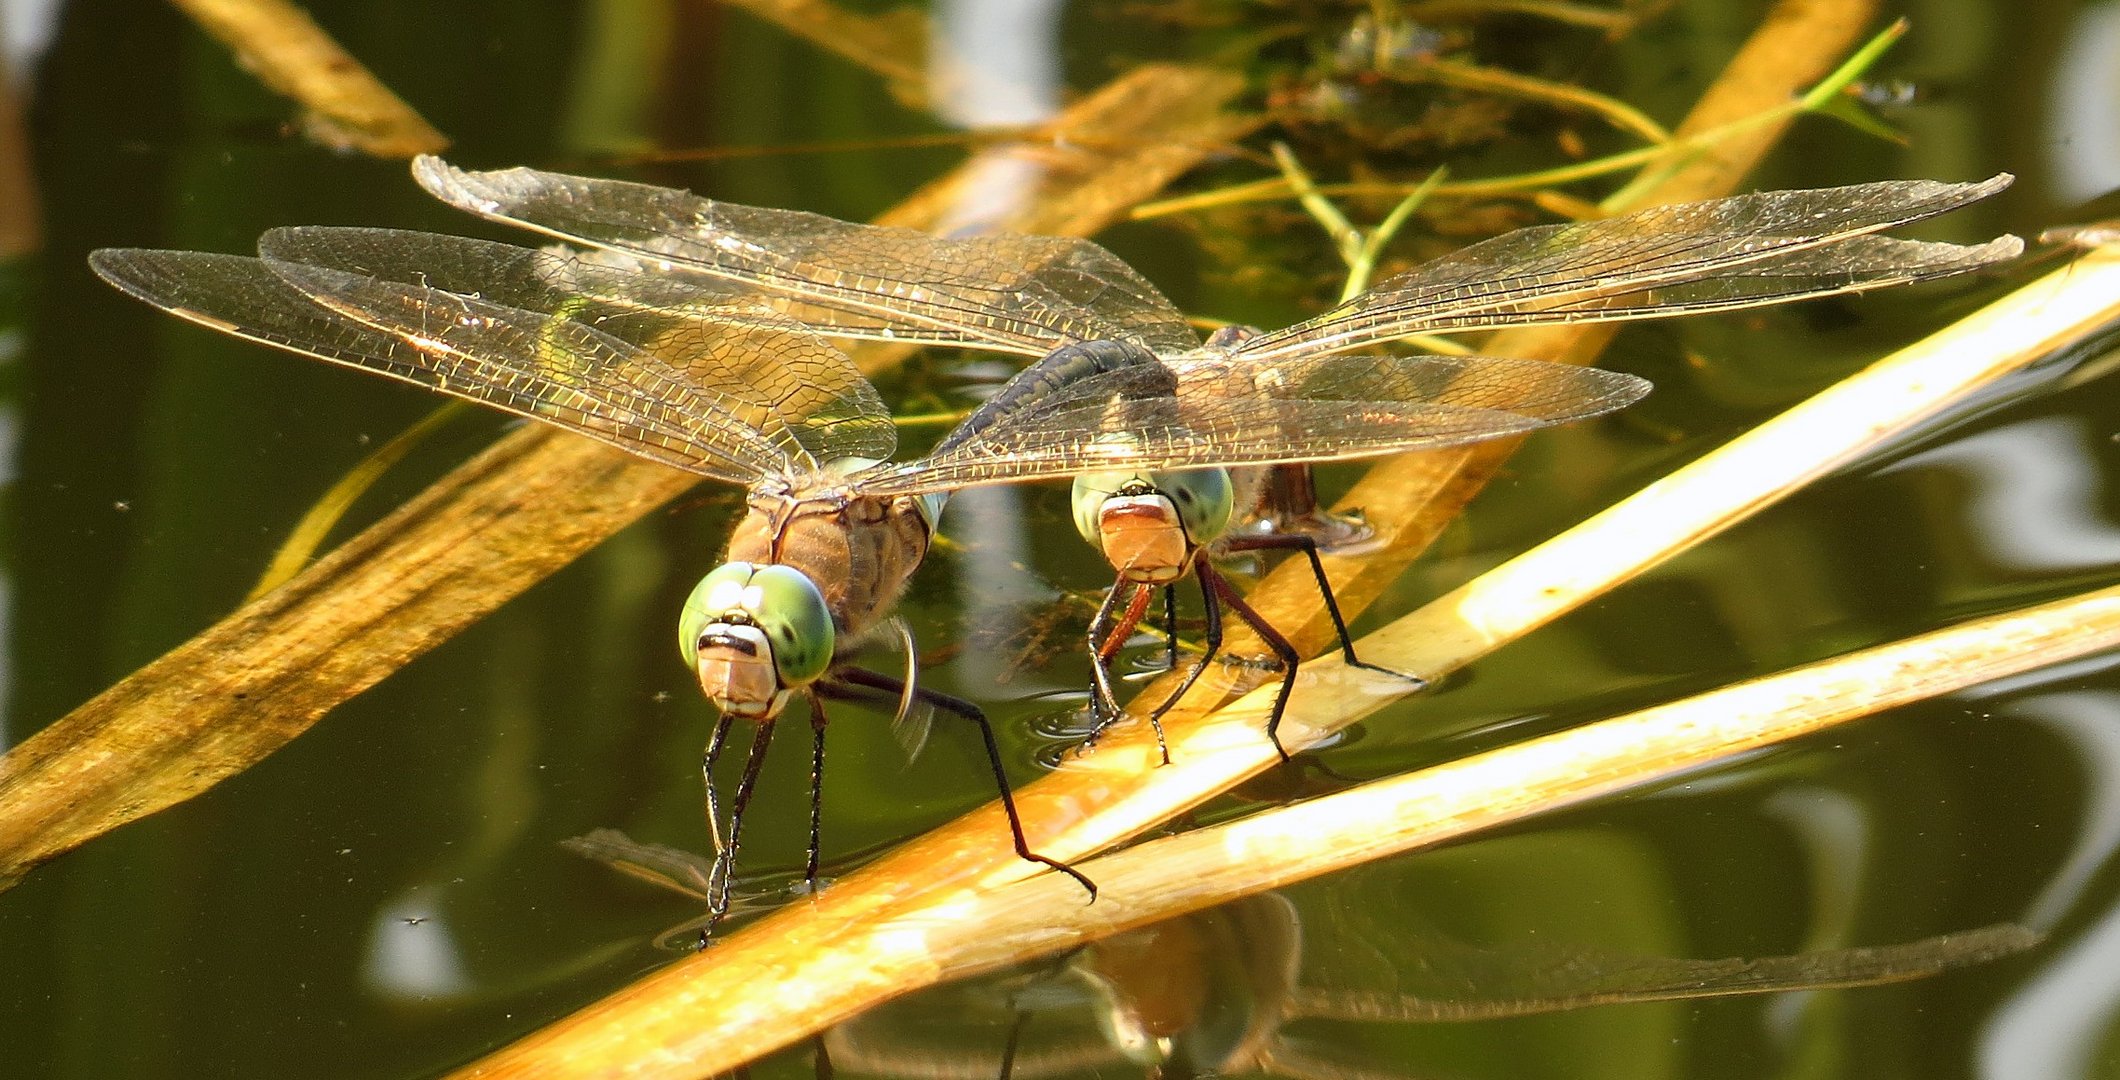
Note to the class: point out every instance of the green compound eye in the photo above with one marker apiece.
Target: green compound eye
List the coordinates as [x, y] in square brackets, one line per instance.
[1087, 501]
[710, 601]
[1204, 498]
[781, 601]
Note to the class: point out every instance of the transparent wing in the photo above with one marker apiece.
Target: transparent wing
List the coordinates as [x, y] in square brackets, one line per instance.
[1014, 293]
[1739, 252]
[548, 373]
[1320, 409]
[1448, 981]
[699, 358]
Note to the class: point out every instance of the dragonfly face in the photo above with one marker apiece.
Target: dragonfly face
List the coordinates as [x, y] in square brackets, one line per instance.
[1150, 524]
[755, 634]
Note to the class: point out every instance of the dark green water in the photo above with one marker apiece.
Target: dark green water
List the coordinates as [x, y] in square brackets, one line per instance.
[386, 896]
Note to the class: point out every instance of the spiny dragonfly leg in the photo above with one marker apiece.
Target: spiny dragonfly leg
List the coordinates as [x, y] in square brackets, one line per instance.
[1015, 1040]
[1212, 580]
[960, 707]
[817, 723]
[1309, 547]
[1106, 637]
[725, 859]
[706, 772]
[1213, 610]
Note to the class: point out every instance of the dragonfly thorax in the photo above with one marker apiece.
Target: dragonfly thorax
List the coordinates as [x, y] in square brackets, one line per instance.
[1150, 525]
[857, 549]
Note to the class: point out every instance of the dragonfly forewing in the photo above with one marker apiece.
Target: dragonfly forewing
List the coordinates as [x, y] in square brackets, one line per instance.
[510, 367]
[1010, 292]
[1325, 409]
[1746, 251]
[698, 360]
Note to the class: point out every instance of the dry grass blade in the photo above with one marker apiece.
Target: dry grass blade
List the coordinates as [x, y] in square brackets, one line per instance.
[892, 43]
[245, 686]
[241, 689]
[1200, 869]
[347, 107]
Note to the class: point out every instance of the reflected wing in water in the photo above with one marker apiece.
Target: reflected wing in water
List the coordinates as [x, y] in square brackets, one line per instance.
[1014, 293]
[1447, 981]
[683, 872]
[1745, 251]
[1318, 409]
[1037, 1023]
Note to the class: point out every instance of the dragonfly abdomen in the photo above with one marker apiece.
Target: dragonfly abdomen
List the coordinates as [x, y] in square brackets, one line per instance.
[1065, 366]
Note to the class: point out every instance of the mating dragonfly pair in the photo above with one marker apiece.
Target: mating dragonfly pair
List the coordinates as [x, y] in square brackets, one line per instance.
[695, 334]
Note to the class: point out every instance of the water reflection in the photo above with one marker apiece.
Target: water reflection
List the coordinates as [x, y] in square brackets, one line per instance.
[2033, 494]
[1255, 986]
[2060, 1021]
[412, 953]
[1230, 991]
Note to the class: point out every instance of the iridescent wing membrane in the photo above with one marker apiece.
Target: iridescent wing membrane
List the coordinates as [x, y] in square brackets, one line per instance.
[683, 371]
[1740, 252]
[1030, 294]
[1319, 409]
[1008, 292]
[718, 370]
[676, 372]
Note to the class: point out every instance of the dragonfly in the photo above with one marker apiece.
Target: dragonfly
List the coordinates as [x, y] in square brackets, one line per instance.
[1085, 315]
[689, 372]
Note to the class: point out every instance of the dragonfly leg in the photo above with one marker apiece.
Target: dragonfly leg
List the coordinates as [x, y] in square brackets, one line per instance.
[1015, 1040]
[1309, 547]
[1213, 609]
[817, 724]
[706, 772]
[1170, 627]
[1212, 579]
[725, 859]
[960, 707]
[1106, 636]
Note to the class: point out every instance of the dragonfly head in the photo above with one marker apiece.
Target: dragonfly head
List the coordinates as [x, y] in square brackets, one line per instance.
[1150, 524]
[755, 633]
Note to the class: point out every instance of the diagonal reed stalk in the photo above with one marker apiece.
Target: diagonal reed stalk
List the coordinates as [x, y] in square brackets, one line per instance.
[344, 104]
